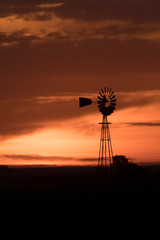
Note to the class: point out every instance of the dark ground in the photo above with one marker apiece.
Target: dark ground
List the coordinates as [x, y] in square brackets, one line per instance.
[74, 190]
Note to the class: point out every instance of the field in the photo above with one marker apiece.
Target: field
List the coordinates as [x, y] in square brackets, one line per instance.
[71, 190]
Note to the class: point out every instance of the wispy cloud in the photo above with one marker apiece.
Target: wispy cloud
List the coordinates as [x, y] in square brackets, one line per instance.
[50, 5]
[138, 98]
[145, 124]
[34, 157]
[16, 159]
[48, 22]
[51, 27]
[146, 31]
[9, 44]
[43, 27]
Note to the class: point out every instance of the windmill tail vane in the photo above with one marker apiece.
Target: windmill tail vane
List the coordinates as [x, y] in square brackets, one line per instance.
[84, 101]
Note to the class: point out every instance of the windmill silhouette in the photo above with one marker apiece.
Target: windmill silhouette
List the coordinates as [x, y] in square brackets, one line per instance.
[106, 104]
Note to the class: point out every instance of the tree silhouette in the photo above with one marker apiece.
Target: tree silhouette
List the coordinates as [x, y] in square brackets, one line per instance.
[120, 161]
[127, 170]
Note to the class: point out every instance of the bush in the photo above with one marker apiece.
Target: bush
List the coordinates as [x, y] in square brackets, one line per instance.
[127, 170]
[120, 160]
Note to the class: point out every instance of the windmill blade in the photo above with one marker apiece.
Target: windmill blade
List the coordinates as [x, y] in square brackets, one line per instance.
[100, 98]
[101, 105]
[113, 97]
[114, 100]
[110, 90]
[101, 94]
[102, 91]
[113, 104]
[100, 102]
[84, 101]
[111, 94]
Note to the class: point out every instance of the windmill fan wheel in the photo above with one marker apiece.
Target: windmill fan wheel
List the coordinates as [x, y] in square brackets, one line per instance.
[106, 101]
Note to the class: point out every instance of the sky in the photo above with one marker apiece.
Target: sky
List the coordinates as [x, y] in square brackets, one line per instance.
[52, 52]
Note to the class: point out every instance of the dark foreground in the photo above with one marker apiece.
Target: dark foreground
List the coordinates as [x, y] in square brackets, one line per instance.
[79, 190]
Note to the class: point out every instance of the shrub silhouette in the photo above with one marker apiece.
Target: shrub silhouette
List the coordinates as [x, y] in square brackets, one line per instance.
[120, 161]
[128, 171]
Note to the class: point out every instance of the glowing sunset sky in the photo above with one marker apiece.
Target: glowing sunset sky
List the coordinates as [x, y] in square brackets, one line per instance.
[52, 52]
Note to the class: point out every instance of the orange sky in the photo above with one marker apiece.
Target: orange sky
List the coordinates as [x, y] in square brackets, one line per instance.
[52, 52]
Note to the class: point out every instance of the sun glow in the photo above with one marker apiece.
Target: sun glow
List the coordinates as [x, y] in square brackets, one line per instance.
[79, 138]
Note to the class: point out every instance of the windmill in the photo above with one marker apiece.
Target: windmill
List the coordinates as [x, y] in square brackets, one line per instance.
[106, 104]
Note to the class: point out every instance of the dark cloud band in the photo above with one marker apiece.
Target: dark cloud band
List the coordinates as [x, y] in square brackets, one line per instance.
[145, 124]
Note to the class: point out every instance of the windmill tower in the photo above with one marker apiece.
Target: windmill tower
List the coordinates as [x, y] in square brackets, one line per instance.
[106, 104]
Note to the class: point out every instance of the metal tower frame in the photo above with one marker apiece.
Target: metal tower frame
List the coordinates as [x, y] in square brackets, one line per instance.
[105, 150]
[107, 104]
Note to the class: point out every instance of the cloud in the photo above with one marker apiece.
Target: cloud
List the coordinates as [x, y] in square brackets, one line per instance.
[141, 31]
[29, 115]
[8, 44]
[50, 27]
[34, 157]
[138, 98]
[85, 66]
[19, 117]
[21, 8]
[50, 5]
[78, 22]
[17, 159]
[144, 124]
[132, 10]
[88, 10]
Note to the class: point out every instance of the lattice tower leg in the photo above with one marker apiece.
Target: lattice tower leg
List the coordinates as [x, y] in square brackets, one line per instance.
[105, 150]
